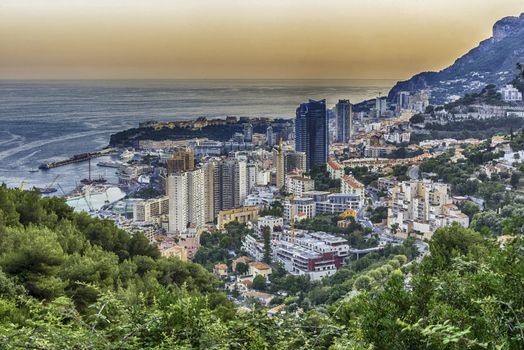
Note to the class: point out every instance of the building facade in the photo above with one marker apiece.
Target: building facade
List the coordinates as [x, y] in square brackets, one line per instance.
[311, 132]
[344, 121]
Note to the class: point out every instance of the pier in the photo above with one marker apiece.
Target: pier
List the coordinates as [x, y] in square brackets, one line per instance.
[77, 158]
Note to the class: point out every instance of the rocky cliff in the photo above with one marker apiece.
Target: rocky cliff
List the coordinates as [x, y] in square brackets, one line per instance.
[493, 61]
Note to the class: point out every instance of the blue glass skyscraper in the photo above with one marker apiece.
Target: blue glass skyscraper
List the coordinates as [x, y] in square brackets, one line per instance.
[311, 132]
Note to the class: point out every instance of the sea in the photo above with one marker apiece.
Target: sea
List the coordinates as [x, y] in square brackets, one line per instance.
[51, 120]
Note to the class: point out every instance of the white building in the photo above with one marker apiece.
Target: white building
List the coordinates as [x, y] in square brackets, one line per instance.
[350, 185]
[335, 170]
[303, 208]
[272, 222]
[186, 193]
[297, 184]
[510, 94]
[423, 207]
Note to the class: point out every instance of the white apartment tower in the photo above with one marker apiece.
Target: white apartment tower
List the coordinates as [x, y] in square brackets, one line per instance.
[187, 202]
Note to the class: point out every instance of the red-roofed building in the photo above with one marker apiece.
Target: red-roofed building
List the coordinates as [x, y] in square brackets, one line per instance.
[335, 170]
[350, 185]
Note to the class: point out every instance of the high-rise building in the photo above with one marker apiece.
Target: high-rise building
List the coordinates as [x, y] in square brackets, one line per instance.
[196, 197]
[344, 121]
[178, 201]
[185, 191]
[278, 160]
[270, 136]
[230, 184]
[183, 159]
[251, 169]
[295, 161]
[311, 132]
[209, 185]
[381, 106]
[248, 132]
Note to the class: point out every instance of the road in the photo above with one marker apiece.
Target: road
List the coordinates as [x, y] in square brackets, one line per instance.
[414, 172]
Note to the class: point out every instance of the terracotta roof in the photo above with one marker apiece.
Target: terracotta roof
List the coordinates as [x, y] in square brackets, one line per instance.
[334, 165]
[352, 182]
[260, 265]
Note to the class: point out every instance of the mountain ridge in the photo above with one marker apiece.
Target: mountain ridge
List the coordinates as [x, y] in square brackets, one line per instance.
[492, 61]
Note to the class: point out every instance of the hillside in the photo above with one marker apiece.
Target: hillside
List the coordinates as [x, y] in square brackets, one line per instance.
[68, 281]
[493, 61]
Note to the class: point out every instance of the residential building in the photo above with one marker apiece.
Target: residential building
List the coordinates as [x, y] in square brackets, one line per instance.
[421, 207]
[185, 191]
[344, 121]
[337, 203]
[510, 94]
[270, 136]
[242, 215]
[248, 132]
[297, 184]
[295, 162]
[350, 185]
[274, 223]
[335, 170]
[257, 268]
[151, 210]
[183, 159]
[302, 208]
[220, 270]
[311, 132]
[278, 161]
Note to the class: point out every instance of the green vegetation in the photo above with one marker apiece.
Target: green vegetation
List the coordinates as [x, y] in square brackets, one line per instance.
[462, 179]
[363, 174]
[417, 119]
[377, 215]
[216, 246]
[275, 209]
[323, 182]
[146, 193]
[68, 281]
[468, 128]
[488, 95]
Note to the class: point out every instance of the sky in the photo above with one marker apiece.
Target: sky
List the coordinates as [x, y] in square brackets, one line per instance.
[240, 39]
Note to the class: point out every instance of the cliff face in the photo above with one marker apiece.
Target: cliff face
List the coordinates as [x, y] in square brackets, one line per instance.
[492, 61]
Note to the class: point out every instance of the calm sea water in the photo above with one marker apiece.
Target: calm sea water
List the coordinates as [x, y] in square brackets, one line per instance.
[48, 120]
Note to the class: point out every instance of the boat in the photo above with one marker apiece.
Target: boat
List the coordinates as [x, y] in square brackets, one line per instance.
[126, 156]
[34, 170]
[109, 164]
[46, 190]
[90, 181]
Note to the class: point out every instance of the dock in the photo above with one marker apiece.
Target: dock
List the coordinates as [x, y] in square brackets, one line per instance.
[77, 158]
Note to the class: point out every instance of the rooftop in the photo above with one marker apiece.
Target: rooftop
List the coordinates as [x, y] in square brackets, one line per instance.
[352, 182]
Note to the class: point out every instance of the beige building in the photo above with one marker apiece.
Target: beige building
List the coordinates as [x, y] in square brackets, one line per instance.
[259, 268]
[151, 210]
[175, 251]
[422, 207]
[220, 270]
[242, 215]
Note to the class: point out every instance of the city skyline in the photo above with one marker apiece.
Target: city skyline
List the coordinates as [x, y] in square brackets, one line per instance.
[56, 39]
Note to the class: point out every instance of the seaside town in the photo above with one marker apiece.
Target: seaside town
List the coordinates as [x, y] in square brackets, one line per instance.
[246, 175]
[304, 196]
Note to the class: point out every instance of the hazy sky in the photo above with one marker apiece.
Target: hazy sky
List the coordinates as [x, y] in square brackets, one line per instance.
[240, 38]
